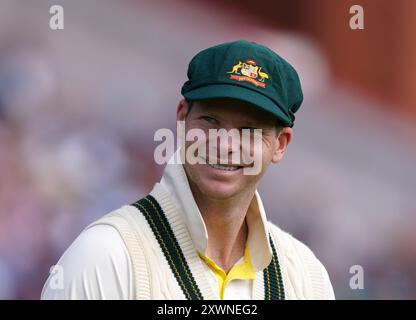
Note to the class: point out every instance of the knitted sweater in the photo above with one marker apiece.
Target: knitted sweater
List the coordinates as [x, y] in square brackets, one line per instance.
[302, 273]
[149, 274]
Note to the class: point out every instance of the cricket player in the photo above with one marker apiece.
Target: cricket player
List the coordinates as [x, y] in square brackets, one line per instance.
[202, 232]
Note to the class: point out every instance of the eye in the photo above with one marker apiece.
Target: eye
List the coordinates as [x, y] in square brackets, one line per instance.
[209, 119]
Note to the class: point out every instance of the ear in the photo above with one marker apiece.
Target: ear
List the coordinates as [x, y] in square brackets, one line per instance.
[182, 110]
[282, 142]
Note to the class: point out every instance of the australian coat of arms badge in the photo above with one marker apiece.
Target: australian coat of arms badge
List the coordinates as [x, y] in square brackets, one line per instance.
[249, 71]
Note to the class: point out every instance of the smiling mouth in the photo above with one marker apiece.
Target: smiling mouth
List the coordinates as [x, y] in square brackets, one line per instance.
[225, 167]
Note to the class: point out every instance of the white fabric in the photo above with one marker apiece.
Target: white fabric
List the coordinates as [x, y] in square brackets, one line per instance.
[98, 266]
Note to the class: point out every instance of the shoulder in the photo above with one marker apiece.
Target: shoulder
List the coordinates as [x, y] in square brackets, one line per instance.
[301, 262]
[95, 266]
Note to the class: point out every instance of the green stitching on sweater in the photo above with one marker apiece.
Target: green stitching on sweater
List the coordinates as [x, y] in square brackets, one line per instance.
[166, 251]
[175, 246]
[273, 283]
[170, 247]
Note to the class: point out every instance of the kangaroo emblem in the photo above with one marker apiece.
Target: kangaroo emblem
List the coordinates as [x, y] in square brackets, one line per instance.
[236, 67]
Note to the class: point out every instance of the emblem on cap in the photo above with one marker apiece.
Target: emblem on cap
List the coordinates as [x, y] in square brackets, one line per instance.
[249, 71]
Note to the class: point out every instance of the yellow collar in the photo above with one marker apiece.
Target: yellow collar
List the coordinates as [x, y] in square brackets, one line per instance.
[242, 269]
[175, 182]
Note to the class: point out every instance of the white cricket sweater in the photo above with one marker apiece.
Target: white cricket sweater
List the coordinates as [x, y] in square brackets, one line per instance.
[132, 266]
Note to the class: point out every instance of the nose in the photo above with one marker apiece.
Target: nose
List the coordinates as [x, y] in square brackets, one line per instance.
[229, 144]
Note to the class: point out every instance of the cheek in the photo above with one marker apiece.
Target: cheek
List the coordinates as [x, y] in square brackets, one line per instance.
[195, 141]
[269, 147]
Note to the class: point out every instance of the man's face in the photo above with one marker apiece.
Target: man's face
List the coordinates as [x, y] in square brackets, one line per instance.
[231, 180]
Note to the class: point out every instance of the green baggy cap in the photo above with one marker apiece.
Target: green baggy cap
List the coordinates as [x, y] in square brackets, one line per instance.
[249, 72]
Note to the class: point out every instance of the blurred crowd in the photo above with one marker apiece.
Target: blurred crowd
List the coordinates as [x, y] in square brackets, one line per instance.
[57, 175]
[78, 110]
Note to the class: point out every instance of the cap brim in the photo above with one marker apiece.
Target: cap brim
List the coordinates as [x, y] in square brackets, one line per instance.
[226, 91]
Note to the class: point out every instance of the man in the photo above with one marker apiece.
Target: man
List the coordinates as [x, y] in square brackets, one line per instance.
[202, 232]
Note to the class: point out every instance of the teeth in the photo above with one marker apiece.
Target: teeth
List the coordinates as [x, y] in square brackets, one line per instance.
[223, 167]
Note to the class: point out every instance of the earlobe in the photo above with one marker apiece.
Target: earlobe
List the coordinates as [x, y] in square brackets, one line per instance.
[277, 156]
[283, 140]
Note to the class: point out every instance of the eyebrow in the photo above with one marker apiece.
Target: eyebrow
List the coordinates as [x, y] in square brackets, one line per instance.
[249, 123]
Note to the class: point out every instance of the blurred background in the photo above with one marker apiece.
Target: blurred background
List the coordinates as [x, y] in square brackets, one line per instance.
[79, 107]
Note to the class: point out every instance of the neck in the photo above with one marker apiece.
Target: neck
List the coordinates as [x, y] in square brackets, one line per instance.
[225, 220]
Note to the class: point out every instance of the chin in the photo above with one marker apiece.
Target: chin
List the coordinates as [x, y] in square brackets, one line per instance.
[217, 185]
[218, 190]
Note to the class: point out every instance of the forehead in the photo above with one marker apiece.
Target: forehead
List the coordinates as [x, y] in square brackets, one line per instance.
[234, 110]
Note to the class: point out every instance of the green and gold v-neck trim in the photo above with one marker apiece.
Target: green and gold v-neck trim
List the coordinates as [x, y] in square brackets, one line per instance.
[184, 261]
